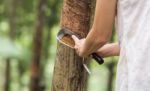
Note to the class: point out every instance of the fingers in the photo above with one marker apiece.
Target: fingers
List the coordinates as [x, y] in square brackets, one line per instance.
[78, 45]
[76, 40]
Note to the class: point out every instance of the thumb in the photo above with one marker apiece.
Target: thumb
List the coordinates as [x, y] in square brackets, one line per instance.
[75, 39]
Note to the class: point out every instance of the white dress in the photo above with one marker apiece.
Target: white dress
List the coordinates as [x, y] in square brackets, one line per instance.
[133, 26]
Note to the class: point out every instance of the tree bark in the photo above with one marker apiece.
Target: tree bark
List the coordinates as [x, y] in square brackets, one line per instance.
[37, 48]
[69, 73]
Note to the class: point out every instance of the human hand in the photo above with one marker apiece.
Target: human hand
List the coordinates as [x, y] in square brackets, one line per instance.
[79, 46]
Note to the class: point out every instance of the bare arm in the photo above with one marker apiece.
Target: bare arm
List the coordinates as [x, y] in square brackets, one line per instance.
[109, 50]
[102, 26]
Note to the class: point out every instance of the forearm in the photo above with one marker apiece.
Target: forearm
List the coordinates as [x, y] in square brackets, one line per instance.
[102, 26]
[109, 50]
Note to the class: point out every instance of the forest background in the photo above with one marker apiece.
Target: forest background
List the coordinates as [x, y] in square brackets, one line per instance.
[28, 44]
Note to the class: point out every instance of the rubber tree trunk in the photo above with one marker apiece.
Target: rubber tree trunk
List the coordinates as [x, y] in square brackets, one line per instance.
[37, 48]
[69, 74]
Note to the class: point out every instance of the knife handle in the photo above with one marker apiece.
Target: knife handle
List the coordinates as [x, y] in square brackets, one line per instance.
[97, 58]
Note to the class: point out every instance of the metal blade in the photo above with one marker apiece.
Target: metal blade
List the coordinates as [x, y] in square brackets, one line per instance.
[87, 69]
[85, 66]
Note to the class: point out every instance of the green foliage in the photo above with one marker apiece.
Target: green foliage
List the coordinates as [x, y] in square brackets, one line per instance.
[9, 49]
[20, 49]
[27, 5]
[2, 9]
[53, 12]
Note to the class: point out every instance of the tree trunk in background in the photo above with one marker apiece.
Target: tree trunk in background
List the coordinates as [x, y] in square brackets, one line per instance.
[52, 20]
[111, 74]
[37, 48]
[69, 73]
[7, 75]
[12, 33]
[110, 67]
